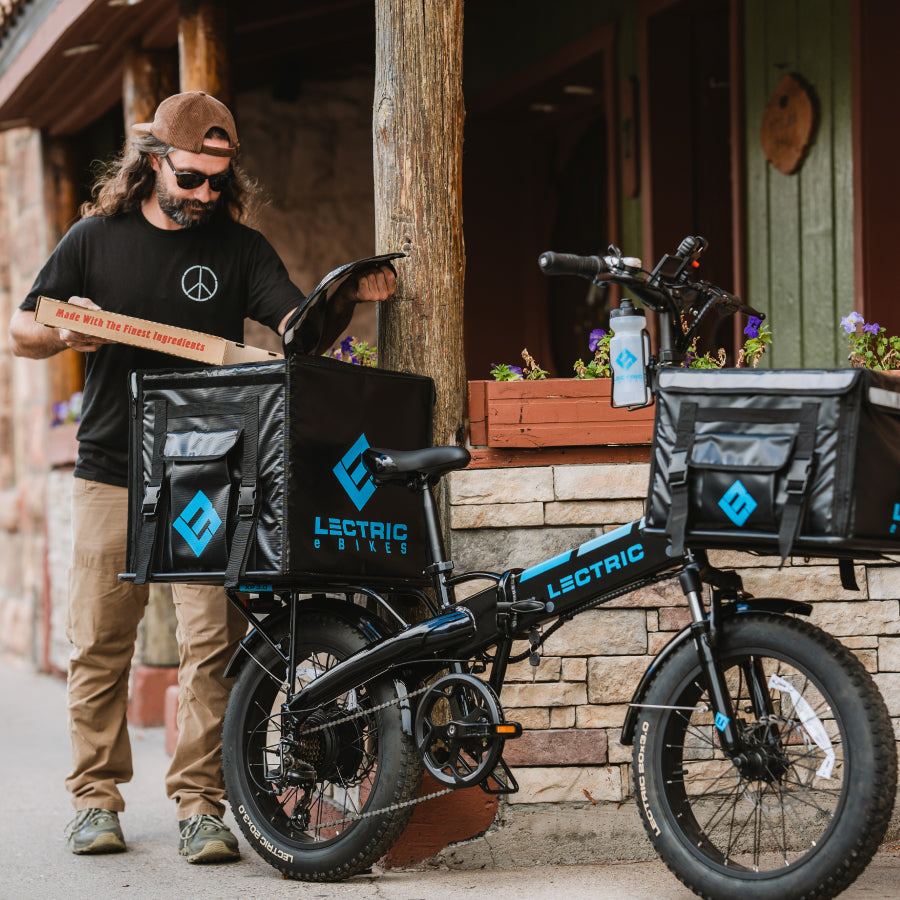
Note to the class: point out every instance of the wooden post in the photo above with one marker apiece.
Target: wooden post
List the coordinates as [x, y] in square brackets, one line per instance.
[149, 77]
[418, 130]
[203, 59]
[66, 369]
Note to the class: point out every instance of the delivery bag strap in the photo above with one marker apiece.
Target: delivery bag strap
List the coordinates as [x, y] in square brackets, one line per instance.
[798, 479]
[248, 502]
[678, 476]
[150, 503]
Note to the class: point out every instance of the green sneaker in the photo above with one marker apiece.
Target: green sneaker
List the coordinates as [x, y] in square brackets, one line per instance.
[95, 831]
[206, 839]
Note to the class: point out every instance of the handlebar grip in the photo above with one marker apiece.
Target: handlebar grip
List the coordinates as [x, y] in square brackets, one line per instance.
[552, 263]
[686, 247]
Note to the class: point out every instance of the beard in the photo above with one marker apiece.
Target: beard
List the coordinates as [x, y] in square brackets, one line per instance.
[182, 211]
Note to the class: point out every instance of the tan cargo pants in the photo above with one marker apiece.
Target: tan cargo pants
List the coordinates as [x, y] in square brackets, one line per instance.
[103, 617]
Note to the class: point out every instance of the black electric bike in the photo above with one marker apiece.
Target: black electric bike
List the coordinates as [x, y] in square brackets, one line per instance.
[765, 763]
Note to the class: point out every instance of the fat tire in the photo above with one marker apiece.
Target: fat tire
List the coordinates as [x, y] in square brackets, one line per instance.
[867, 766]
[264, 821]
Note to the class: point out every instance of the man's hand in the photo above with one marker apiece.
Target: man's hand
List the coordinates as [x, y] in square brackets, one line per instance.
[376, 285]
[75, 340]
[34, 341]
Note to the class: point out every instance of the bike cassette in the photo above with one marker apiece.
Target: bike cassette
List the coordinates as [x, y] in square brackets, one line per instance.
[460, 730]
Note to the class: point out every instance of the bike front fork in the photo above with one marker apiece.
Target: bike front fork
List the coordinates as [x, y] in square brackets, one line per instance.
[704, 642]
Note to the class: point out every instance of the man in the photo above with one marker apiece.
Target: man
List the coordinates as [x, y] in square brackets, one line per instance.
[164, 220]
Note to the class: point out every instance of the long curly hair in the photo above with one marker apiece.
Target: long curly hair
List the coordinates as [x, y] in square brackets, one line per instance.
[123, 184]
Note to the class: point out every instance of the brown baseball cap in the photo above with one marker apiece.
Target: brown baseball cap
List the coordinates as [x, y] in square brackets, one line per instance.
[183, 120]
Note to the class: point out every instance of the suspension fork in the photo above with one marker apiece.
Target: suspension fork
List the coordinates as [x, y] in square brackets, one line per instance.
[759, 691]
[692, 585]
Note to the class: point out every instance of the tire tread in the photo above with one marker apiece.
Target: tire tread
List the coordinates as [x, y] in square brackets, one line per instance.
[403, 789]
[858, 856]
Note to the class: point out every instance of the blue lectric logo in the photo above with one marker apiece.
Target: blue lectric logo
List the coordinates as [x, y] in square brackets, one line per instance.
[354, 476]
[721, 721]
[896, 518]
[206, 523]
[626, 359]
[737, 504]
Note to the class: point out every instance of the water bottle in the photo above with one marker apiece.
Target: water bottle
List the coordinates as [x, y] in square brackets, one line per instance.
[629, 353]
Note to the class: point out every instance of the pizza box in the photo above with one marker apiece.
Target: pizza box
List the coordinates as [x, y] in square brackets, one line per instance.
[183, 342]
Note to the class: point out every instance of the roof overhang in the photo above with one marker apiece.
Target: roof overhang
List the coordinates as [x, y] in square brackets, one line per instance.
[61, 60]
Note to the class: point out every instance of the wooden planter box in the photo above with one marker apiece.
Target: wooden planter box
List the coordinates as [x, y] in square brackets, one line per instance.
[557, 412]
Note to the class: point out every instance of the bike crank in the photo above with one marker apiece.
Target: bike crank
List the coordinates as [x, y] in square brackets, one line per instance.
[460, 730]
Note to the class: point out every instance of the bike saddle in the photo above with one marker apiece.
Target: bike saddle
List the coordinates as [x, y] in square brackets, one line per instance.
[398, 466]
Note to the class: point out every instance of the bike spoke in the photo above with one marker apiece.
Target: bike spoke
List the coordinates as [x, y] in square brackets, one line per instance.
[779, 813]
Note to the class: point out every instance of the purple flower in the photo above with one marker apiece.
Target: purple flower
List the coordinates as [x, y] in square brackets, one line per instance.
[596, 336]
[516, 370]
[872, 329]
[346, 344]
[752, 329]
[849, 323]
[60, 413]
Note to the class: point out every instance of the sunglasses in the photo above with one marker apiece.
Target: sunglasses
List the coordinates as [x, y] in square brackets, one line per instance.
[188, 181]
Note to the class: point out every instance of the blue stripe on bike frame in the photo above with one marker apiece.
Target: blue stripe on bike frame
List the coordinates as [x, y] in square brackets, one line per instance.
[604, 539]
[545, 566]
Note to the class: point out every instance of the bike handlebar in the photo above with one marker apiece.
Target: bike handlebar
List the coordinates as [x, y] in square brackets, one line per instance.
[569, 264]
[662, 290]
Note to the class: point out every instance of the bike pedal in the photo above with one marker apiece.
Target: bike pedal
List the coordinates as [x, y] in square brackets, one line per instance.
[508, 730]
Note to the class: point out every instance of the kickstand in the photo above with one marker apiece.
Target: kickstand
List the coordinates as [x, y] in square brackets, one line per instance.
[500, 781]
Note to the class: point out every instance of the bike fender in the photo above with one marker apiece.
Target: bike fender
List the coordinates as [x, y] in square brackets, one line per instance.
[355, 615]
[777, 605]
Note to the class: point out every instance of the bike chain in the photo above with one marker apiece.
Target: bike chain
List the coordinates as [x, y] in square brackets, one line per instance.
[366, 712]
[363, 712]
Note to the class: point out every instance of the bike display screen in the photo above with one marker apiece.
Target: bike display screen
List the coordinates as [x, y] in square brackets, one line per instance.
[670, 268]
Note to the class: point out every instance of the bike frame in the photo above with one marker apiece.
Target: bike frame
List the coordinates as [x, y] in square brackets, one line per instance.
[459, 635]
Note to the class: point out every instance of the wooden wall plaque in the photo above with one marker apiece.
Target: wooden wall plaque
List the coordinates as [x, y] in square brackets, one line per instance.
[789, 124]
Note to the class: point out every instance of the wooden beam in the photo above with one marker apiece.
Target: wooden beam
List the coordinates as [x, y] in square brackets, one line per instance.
[65, 370]
[39, 37]
[417, 126]
[84, 85]
[148, 77]
[203, 48]
[418, 133]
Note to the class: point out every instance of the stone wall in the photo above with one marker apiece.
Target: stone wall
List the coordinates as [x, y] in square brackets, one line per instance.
[573, 704]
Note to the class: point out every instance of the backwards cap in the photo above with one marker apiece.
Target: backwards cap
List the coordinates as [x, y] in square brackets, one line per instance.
[182, 121]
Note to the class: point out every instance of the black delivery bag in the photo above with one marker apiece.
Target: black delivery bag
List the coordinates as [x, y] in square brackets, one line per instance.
[253, 473]
[780, 460]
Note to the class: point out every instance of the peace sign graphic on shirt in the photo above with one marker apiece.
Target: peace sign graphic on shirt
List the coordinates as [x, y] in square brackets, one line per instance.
[199, 283]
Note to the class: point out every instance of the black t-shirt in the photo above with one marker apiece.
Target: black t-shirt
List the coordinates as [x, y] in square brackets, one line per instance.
[207, 279]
